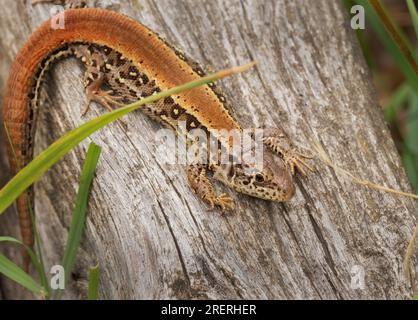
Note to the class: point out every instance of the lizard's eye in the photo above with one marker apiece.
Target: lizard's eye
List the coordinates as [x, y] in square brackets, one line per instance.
[259, 177]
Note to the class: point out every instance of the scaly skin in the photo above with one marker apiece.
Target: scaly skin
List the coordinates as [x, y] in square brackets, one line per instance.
[125, 61]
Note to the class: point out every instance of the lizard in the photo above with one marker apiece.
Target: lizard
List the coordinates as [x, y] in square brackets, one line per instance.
[126, 61]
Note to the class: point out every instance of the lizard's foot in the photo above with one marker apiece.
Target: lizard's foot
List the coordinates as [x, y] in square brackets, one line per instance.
[223, 200]
[278, 141]
[104, 98]
[295, 159]
[203, 187]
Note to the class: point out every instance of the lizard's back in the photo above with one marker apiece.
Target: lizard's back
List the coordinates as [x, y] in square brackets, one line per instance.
[136, 61]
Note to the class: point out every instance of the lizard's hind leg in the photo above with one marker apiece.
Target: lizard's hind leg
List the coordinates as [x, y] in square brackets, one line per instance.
[95, 92]
[279, 142]
[95, 78]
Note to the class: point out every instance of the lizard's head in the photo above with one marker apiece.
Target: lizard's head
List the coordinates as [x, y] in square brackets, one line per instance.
[273, 182]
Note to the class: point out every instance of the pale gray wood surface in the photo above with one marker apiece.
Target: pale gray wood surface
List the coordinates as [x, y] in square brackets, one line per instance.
[154, 239]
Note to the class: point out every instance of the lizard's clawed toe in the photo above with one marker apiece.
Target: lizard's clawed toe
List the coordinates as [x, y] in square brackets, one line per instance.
[210, 201]
[225, 202]
[295, 159]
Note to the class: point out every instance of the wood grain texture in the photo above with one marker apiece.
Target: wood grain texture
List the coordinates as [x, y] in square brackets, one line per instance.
[154, 239]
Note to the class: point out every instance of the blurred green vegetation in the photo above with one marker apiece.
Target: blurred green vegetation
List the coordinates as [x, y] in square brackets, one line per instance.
[389, 44]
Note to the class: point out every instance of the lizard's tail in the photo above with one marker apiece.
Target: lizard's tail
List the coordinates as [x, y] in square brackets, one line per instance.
[52, 41]
[26, 228]
[25, 200]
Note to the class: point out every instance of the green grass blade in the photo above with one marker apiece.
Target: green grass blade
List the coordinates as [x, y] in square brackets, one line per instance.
[410, 163]
[412, 124]
[79, 213]
[15, 273]
[414, 15]
[32, 255]
[93, 288]
[398, 47]
[38, 166]
[36, 262]
[410, 155]
[41, 267]
[398, 98]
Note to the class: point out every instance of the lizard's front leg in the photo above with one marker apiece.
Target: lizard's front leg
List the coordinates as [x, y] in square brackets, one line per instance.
[202, 186]
[279, 142]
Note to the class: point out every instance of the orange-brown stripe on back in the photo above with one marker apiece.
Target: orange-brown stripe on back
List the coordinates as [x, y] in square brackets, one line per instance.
[135, 42]
[123, 34]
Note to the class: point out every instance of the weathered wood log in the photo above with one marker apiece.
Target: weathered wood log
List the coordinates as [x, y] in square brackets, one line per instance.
[154, 239]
